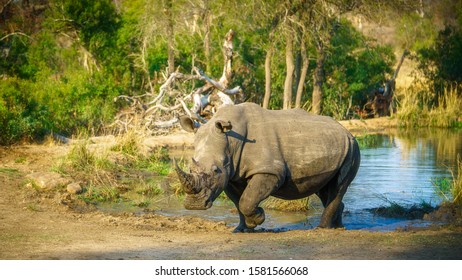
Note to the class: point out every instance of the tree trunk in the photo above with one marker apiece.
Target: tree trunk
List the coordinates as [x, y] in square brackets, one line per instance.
[290, 70]
[269, 55]
[168, 6]
[318, 80]
[301, 81]
[207, 53]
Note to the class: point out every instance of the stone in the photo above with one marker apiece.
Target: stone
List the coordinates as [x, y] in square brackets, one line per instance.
[74, 188]
[48, 180]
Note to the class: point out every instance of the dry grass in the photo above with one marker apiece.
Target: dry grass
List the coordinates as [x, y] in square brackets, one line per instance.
[415, 109]
[287, 205]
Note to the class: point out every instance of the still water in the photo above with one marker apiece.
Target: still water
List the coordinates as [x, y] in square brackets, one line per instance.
[400, 168]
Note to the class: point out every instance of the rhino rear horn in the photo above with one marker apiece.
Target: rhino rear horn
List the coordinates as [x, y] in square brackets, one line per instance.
[187, 180]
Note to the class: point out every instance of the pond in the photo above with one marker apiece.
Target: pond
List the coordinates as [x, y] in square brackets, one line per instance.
[400, 169]
[395, 168]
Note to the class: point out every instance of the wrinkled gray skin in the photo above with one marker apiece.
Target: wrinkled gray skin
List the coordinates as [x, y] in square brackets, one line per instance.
[252, 153]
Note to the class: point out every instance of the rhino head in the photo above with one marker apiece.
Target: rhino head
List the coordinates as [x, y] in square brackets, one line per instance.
[210, 167]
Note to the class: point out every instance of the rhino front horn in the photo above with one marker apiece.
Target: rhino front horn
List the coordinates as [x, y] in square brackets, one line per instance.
[187, 180]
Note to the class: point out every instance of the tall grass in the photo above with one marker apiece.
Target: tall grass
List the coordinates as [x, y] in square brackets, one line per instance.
[450, 190]
[416, 109]
[457, 183]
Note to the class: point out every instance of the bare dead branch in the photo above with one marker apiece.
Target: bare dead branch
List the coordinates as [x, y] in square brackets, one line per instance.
[15, 34]
[161, 111]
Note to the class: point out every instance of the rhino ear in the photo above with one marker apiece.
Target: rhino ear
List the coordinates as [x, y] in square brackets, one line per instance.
[223, 126]
[188, 124]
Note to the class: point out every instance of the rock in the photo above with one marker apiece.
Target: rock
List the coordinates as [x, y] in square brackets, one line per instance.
[74, 188]
[48, 180]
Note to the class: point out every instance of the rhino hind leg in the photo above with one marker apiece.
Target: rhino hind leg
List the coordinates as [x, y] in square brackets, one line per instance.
[332, 194]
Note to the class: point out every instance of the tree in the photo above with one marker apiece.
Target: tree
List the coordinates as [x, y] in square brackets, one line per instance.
[168, 10]
[304, 71]
[288, 83]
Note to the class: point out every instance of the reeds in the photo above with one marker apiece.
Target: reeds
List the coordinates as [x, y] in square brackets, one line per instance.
[456, 188]
[417, 109]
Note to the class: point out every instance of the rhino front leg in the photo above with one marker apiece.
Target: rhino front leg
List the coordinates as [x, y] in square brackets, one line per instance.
[234, 193]
[260, 187]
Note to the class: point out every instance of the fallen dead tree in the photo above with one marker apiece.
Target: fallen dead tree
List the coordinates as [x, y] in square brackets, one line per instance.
[158, 112]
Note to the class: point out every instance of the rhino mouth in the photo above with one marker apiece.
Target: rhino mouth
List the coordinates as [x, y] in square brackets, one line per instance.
[192, 203]
[201, 188]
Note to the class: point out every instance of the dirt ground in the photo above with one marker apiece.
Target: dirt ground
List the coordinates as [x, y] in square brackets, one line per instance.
[53, 228]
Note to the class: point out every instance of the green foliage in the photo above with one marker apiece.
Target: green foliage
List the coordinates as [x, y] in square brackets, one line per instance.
[354, 67]
[456, 188]
[22, 117]
[414, 32]
[94, 194]
[96, 21]
[450, 189]
[441, 63]
[442, 187]
[61, 67]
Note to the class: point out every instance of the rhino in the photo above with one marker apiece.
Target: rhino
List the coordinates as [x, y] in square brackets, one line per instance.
[252, 153]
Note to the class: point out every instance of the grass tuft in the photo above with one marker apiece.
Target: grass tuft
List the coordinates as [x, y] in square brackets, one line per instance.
[456, 188]
[287, 205]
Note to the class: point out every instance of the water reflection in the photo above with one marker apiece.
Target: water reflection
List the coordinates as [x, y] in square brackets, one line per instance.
[400, 169]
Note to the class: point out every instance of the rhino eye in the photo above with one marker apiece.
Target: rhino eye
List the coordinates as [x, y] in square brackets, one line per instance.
[215, 169]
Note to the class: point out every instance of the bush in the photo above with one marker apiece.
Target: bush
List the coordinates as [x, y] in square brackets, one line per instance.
[22, 117]
[354, 68]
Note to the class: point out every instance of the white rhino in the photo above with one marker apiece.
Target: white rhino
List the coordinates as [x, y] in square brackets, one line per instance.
[252, 153]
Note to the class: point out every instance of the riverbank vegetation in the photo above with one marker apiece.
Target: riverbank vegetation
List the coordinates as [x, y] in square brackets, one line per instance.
[123, 172]
[417, 108]
[62, 62]
[450, 190]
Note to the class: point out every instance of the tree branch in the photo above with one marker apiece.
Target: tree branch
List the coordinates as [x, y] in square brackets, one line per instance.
[14, 34]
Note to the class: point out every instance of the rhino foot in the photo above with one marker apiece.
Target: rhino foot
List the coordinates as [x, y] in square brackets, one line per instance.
[255, 219]
[243, 229]
[248, 223]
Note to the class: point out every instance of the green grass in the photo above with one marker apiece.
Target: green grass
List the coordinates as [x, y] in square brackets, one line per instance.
[9, 170]
[94, 194]
[396, 210]
[149, 189]
[126, 172]
[450, 189]
[456, 188]
[442, 187]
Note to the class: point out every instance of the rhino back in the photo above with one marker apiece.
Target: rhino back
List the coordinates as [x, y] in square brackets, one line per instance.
[291, 144]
